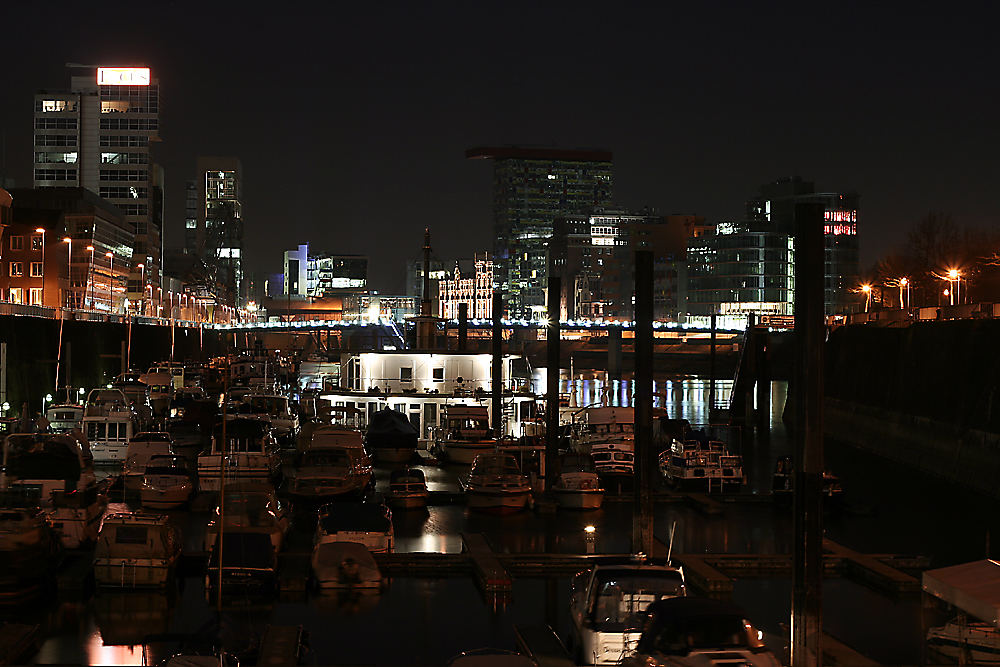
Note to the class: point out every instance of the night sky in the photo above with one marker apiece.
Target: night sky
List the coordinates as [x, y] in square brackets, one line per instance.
[352, 122]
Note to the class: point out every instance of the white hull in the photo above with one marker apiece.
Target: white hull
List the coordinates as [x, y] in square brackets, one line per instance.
[165, 499]
[108, 452]
[465, 452]
[407, 500]
[498, 501]
[240, 467]
[579, 499]
[75, 527]
[132, 573]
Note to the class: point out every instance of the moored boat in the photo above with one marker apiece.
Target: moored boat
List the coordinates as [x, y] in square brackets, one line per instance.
[705, 466]
[344, 565]
[407, 488]
[333, 464]
[28, 549]
[243, 449]
[578, 489]
[390, 437]
[166, 483]
[136, 550]
[109, 423]
[250, 507]
[141, 448]
[496, 484]
[466, 433]
[367, 523]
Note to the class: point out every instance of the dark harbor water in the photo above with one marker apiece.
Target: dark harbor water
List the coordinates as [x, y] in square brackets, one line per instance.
[427, 620]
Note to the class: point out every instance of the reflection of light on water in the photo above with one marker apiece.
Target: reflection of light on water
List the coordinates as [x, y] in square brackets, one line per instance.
[100, 654]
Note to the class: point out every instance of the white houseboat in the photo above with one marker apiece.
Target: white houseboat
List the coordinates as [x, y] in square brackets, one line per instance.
[420, 384]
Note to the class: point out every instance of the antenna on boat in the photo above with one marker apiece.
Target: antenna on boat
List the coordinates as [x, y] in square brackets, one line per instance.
[670, 545]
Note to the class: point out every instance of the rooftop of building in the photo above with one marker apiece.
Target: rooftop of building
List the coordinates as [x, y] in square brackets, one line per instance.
[65, 199]
[538, 153]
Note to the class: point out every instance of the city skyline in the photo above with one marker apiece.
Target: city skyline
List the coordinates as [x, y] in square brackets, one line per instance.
[695, 105]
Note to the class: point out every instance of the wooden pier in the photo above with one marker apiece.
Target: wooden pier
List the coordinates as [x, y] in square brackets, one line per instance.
[491, 575]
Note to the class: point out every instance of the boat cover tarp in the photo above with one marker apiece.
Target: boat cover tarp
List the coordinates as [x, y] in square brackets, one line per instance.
[252, 551]
[389, 428]
[972, 587]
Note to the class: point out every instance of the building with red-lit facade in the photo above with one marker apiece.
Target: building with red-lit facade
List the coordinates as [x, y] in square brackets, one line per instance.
[63, 247]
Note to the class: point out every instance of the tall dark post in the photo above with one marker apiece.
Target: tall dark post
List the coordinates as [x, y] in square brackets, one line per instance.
[761, 340]
[463, 326]
[497, 369]
[642, 531]
[614, 353]
[552, 384]
[711, 372]
[807, 565]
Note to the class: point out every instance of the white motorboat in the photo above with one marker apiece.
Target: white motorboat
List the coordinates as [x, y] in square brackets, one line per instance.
[248, 450]
[334, 463]
[141, 448]
[972, 641]
[344, 565]
[166, 483]
[136, 550]
[391, 437]
[601, 425]
[61, 471]
[367, 523]
[496, 484]
[250, 507]
[578, 489]
[64, 417]
[137, 394]
[608, 604]
[161, 391]
[466, 433]
[706, 466]
[407, 488]
[109, 423]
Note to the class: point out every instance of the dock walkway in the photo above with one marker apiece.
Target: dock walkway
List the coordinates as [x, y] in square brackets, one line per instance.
[492, 576]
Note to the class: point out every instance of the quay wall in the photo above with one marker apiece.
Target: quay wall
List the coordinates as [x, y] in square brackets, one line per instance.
[924, 395]
[91, 353]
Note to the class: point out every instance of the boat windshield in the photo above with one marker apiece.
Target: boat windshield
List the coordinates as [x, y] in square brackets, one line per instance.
[680, 636]
[621, 598]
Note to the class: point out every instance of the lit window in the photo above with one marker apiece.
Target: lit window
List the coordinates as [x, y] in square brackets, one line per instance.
[36, 269]
[36, 242]
[16, 269]
[16, 295]
[191, 224]
[35, 296]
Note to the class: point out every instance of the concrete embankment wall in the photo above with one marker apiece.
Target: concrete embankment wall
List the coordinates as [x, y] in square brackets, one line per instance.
[970, 457]
[925, 395]
[91, 353]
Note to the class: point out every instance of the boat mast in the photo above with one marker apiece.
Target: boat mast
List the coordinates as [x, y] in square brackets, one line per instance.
[222, 486]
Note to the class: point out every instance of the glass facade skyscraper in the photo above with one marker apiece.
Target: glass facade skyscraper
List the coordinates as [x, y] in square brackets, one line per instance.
[531, 187]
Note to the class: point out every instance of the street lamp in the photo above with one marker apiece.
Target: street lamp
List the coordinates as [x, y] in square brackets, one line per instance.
[954, 275]
[904, 282]
[867, 289]
[69, 270]
[41, 230]
[111, 281]
[90, 277]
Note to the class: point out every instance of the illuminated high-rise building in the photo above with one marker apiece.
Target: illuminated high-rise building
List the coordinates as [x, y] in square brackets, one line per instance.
[218, 232]
[531, 187]
[97, 135]
[776, 205]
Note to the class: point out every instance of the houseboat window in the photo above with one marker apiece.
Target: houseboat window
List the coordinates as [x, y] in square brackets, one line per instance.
[399, 407]
[130, 535]
[406, 374]
[438, 374]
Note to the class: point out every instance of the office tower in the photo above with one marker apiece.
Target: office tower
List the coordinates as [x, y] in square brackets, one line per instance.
[219, 224]
[595, 257]
[775, 204]
[191, 217]
[97, 135]
[531, 187]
